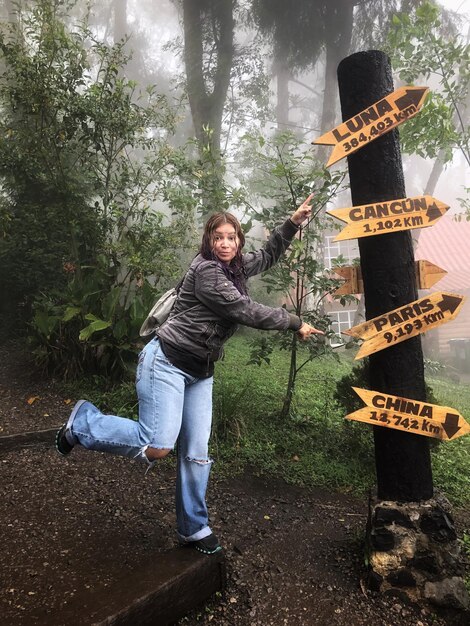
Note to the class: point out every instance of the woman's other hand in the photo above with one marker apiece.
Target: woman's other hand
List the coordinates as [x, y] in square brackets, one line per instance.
[306, 331]
[303, 212]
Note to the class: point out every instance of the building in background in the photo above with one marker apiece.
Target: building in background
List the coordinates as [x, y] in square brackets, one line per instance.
[447, 244]
[342, 317]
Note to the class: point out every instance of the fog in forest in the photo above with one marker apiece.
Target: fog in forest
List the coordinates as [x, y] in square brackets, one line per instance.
[260, 67]
[156, 39]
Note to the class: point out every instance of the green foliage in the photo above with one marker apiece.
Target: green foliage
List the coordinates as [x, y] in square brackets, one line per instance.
[359, 377]
[230, 409]
[421, 49]
[282, 173]
[450, 458]
[315, 445]
[297, 31]
[84, 156]
[114, 399]
[91, 326]
[211, 193]
[92, 323]
[44, 209]
[344, 395]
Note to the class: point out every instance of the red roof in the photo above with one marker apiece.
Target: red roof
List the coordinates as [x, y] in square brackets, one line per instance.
[447, 244]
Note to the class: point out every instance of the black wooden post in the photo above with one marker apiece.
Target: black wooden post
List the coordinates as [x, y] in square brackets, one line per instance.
[403, 461]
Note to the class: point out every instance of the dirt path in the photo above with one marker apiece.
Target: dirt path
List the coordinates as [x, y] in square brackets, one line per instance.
[69, 526]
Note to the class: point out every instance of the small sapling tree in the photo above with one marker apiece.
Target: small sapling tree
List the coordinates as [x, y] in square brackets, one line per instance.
[282, 174]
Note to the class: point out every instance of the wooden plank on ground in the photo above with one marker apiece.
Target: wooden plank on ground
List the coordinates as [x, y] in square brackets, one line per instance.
[158, 593]
[22, 440]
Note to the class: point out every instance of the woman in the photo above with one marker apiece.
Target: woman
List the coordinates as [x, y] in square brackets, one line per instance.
[175, 369]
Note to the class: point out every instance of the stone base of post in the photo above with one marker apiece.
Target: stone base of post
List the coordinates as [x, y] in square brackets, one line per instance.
[413, 552]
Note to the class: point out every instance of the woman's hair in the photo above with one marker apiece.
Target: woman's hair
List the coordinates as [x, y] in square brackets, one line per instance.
[235, 271]
[207, 244]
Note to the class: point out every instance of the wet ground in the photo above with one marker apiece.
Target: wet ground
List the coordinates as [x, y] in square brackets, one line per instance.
[72, 527]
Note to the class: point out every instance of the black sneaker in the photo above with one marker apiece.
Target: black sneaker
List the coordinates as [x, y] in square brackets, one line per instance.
[62, 444]
[207, 545]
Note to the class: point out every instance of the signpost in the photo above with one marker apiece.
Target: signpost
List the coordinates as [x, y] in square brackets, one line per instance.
[405, 322]
[386, 217]
[427, 274]
[419, 418]
[403, 462]
[394, 314]
[374, 121]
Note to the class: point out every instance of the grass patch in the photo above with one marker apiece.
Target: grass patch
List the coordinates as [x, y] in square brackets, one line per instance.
[118, 399]
[451, 459]
[314, 446]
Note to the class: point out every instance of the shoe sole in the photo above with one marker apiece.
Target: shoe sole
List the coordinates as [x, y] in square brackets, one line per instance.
[218, 549]
[59, 435]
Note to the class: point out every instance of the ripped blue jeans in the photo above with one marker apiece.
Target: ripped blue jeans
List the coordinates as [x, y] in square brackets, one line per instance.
[174, 408]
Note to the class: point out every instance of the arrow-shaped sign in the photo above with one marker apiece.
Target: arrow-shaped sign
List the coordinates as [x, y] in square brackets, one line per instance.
[451, 425]
[389, 216]
[373, 122]
[427, 274]
[353, 280]
[420, 418]
[412, 97]
[405, 322]
[434, 212]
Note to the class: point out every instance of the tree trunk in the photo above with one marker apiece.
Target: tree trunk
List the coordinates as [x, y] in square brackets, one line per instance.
[403, 462]
[338, 33]
[282, 74]
[207, 104]
[291, 381]
[207, 93]
[439, 164]
[434, 176]
[120, 19]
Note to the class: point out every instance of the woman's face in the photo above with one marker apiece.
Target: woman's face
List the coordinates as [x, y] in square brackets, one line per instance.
[225, 242]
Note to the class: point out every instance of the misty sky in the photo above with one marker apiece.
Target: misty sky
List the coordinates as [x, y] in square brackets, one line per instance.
[460, 6]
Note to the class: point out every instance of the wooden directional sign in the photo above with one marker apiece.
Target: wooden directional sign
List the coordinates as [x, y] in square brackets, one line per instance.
[353, 280]
[378, 119]
[427, 274]
[405, 322]
[420, 418]
[388, 217]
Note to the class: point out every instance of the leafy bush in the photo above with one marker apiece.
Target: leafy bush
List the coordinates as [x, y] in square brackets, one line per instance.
[46, 212]
[91, 326]
[344, 394]
[84, 156]
[359, 377]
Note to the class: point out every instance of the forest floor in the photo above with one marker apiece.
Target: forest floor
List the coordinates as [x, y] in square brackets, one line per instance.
[77, 524]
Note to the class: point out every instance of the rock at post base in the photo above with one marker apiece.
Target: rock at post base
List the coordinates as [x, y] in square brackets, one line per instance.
[413, 551]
